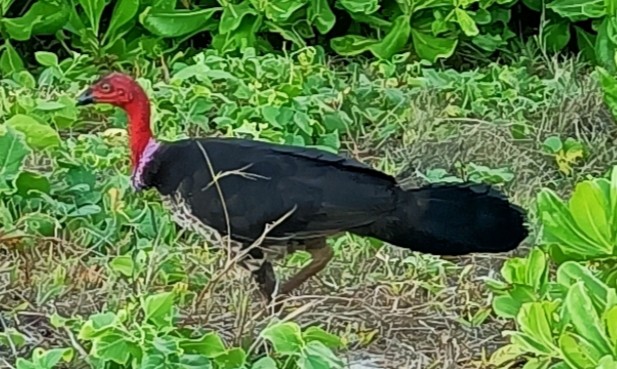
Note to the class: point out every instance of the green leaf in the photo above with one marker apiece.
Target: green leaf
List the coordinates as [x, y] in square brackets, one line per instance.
[586, 43]
[42, 18]
[466, 23]
[50, 358]
[114, 347]
[209, 345]
[231, 359]
[46, 58]
[553, 144]
[535, 320]
[285, 337]
[30, 181]
[317, 356]
[320, 14]
[589, 209]
[13, 151]
[574, 351]
[577, 10]
[585, 318]
[124, 12]
[10, 62]
[264, 363]
[94, 11]
[314, 333]
[432, 48]
[196, 362]
[158, 309]
[392, 43]
[556, 34]
[123, 264]
[361, 6]
[605, 47]
[178, 23]
[233, 14]
[38, 136]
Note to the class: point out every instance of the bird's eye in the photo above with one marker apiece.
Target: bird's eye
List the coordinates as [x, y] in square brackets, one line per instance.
[105, 87]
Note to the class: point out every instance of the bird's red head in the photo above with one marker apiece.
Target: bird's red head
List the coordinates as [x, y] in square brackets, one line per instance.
[124, 92]
[115, 88]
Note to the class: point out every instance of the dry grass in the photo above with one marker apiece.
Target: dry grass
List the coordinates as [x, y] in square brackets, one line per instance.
[404, 311]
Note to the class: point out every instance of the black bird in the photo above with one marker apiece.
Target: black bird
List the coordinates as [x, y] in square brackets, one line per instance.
[233, 188]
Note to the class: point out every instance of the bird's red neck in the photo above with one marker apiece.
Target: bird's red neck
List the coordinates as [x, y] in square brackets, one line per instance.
[138, 113]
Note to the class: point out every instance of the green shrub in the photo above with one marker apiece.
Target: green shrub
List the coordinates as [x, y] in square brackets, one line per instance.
[122, 29]
[567, 319]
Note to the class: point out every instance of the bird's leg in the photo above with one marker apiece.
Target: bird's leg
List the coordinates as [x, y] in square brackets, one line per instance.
[321, 254]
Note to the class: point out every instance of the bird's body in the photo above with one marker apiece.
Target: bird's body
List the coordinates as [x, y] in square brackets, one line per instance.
[240, 188]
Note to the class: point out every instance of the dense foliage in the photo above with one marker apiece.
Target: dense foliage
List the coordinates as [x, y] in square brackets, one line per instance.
[432, 30]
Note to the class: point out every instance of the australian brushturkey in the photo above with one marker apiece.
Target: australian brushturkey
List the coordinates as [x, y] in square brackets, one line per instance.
[228, 186]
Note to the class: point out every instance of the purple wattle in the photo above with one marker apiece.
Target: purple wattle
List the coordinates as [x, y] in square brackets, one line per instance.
[144, 159]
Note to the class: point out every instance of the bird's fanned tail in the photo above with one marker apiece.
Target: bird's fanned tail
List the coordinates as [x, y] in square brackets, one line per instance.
[452, 219]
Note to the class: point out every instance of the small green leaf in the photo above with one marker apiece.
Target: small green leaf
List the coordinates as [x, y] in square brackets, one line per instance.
[124, 12]
[13, 151]
[231, 359]
[209, 345]
[432, 48]
[123, 264]
[466, 23]
[264, 363]
[179, 23]
[315, 333]
[38, 135]
[46, 58]
[285, 337]
[158, 309]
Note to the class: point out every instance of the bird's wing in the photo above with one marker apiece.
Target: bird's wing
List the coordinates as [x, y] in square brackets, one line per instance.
[260, 182]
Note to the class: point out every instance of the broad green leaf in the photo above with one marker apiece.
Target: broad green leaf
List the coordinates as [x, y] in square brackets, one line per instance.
[571, 272]
[124, 12]
[577, 10]
[123, 264]
[94, 10]
[560, 228]
[28, 181]
[575, 352]
[114, 347]
[316, 355]
[231, 359]
[585, 42]
[585, 318]
[395, 39]
[233, 14]
[196, 362]
[505, 354]
[158, 309]
[283, 10]
[320, 14]
[13, 151]
[178, 23]
[552, 144]
[351, 45]
[607, 362]
[466, 23]
[46, 58]
[610, 322]
[361, 6]
[50, 358]
[605, 48]
[42, 18]
[10, 61]
[38, 136]
[264, 363]
[432, 48]
[209, 345]
[556, 34]
[589, 210]
[315, 333]
[535, 320]
[285, 337]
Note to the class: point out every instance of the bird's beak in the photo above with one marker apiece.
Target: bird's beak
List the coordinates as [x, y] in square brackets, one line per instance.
[85, 98]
